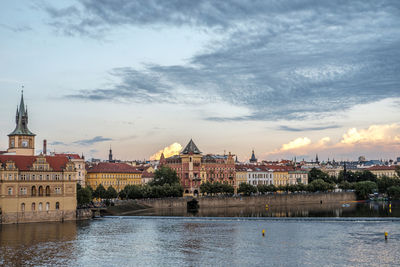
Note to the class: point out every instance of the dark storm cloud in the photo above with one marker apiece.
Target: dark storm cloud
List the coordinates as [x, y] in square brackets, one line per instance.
[303, 129]
[278, 59]
[92, 141]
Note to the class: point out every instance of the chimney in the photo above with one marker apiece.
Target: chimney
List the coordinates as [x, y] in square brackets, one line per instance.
[44, 147]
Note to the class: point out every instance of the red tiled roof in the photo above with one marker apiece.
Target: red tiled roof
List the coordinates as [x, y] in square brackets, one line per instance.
[146, 174]
[382, 168]
[108, 167]
[24, 163]
[71, 156]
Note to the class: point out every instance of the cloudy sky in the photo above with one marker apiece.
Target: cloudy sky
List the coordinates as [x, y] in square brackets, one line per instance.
[285, 78]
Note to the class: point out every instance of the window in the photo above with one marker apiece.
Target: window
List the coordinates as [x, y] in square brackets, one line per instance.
[24, 143]
[57, 205]
[23, 207]
[58, 190]
[47, 191]
[40, 190]
[10, 191]
[47, 206]
[40, 206]
[33, 191]
[22, 191]
[33, 206]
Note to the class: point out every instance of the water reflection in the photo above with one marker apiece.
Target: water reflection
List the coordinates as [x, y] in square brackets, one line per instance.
[372, 209]
[36, 243]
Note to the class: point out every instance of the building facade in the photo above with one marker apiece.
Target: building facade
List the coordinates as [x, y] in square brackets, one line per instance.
[37, 189]
[79, 162]
[193, 168]
[259, 175]
[117, 175]
[34, 188]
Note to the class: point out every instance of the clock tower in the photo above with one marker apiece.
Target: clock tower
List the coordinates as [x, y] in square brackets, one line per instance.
[21, 140]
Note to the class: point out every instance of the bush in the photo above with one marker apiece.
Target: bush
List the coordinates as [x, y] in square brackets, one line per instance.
[394, 192]
[247, 189]
[363, 189]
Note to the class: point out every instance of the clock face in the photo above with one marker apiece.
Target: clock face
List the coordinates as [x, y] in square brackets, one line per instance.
[12, 143]
[24, 143]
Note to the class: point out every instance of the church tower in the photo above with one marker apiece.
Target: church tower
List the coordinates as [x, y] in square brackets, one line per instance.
[21, 140]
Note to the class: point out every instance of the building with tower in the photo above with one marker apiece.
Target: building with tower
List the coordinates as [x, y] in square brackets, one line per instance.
[34, 188]
[253, 159]
[194, 168]
[21, 140]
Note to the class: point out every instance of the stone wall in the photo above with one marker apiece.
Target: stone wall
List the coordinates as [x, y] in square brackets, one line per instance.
[84, 214]
[272, 199]
[38, 216]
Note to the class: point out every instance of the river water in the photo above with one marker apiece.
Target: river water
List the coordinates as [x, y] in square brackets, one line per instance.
[205, 241]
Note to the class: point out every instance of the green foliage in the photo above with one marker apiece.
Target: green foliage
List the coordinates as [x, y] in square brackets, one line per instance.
[100, 192]
[364, 188]
[165, 175]
[247, 189]
[385, 182]
[111, 192]
[358, 176]
[319, 185]
[216, 188]
[83, 195]
[398, 171]
[317, 174]
[345, 185]
[394, 192]
[266, 188]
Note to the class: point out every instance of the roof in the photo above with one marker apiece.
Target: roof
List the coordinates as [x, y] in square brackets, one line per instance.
[146, 174]
[382, 168]
[109, 167]
[22, 120]
[191, 148]
[68, 155]
[25, 163]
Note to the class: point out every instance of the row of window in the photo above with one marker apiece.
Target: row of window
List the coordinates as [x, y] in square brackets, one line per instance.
[116, 182]
[33, 177]
[40, 192]
[40, 206]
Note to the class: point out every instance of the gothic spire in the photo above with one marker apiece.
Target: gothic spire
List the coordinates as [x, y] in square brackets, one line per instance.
[22, 120]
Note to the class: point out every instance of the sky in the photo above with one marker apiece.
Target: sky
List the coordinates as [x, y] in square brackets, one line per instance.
[286, 78]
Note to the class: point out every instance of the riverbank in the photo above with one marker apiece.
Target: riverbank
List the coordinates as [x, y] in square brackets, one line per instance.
[261, 201]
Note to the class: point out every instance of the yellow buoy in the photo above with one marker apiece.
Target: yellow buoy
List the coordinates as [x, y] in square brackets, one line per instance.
[386, 235]
[263, 232]
[390, 206]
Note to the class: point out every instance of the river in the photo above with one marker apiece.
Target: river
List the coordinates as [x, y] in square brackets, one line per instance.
[205, 241]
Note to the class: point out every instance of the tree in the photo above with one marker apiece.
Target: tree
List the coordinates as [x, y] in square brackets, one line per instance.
[346, 185]
[100, 192]
[316, 174]
[394, 192]
[205, 188]
[319, 185]
[165, 175]
[366, 176]
[385, 182]
[363, 189]
[247, 189]
[83, 195]
[111, 193]
[398, 171]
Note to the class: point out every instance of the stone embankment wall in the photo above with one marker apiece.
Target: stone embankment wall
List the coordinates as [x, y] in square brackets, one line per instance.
[272, 199]
[38, 216]
[84, 214]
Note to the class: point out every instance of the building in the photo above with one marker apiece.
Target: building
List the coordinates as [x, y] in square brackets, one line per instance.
[253, 159]
[21, 140]
[117, 175]
[281, 174]
[148, 175]
[34, 188]
[259, 175]
[297, 176]
[79, 162]
[380, 171]
[241, 174]
[193, 168]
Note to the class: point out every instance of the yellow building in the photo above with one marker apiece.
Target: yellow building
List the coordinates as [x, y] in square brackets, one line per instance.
[117, 175]
[381, 171]
[241, 175]
[34, 188]
[280, 176]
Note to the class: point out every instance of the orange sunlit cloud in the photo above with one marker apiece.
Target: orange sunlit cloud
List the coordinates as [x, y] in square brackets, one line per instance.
[168, 151]
[384, 137]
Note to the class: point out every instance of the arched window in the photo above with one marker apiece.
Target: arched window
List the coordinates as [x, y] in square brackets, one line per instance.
[33, 191]
[47, 191]
[57, 205]
[23, 207]
[33, 206]
[40, 190]
[47, 206]
[10, 191]
[40, 206]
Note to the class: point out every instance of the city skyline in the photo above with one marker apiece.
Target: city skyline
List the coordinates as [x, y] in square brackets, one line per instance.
[287, 80]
